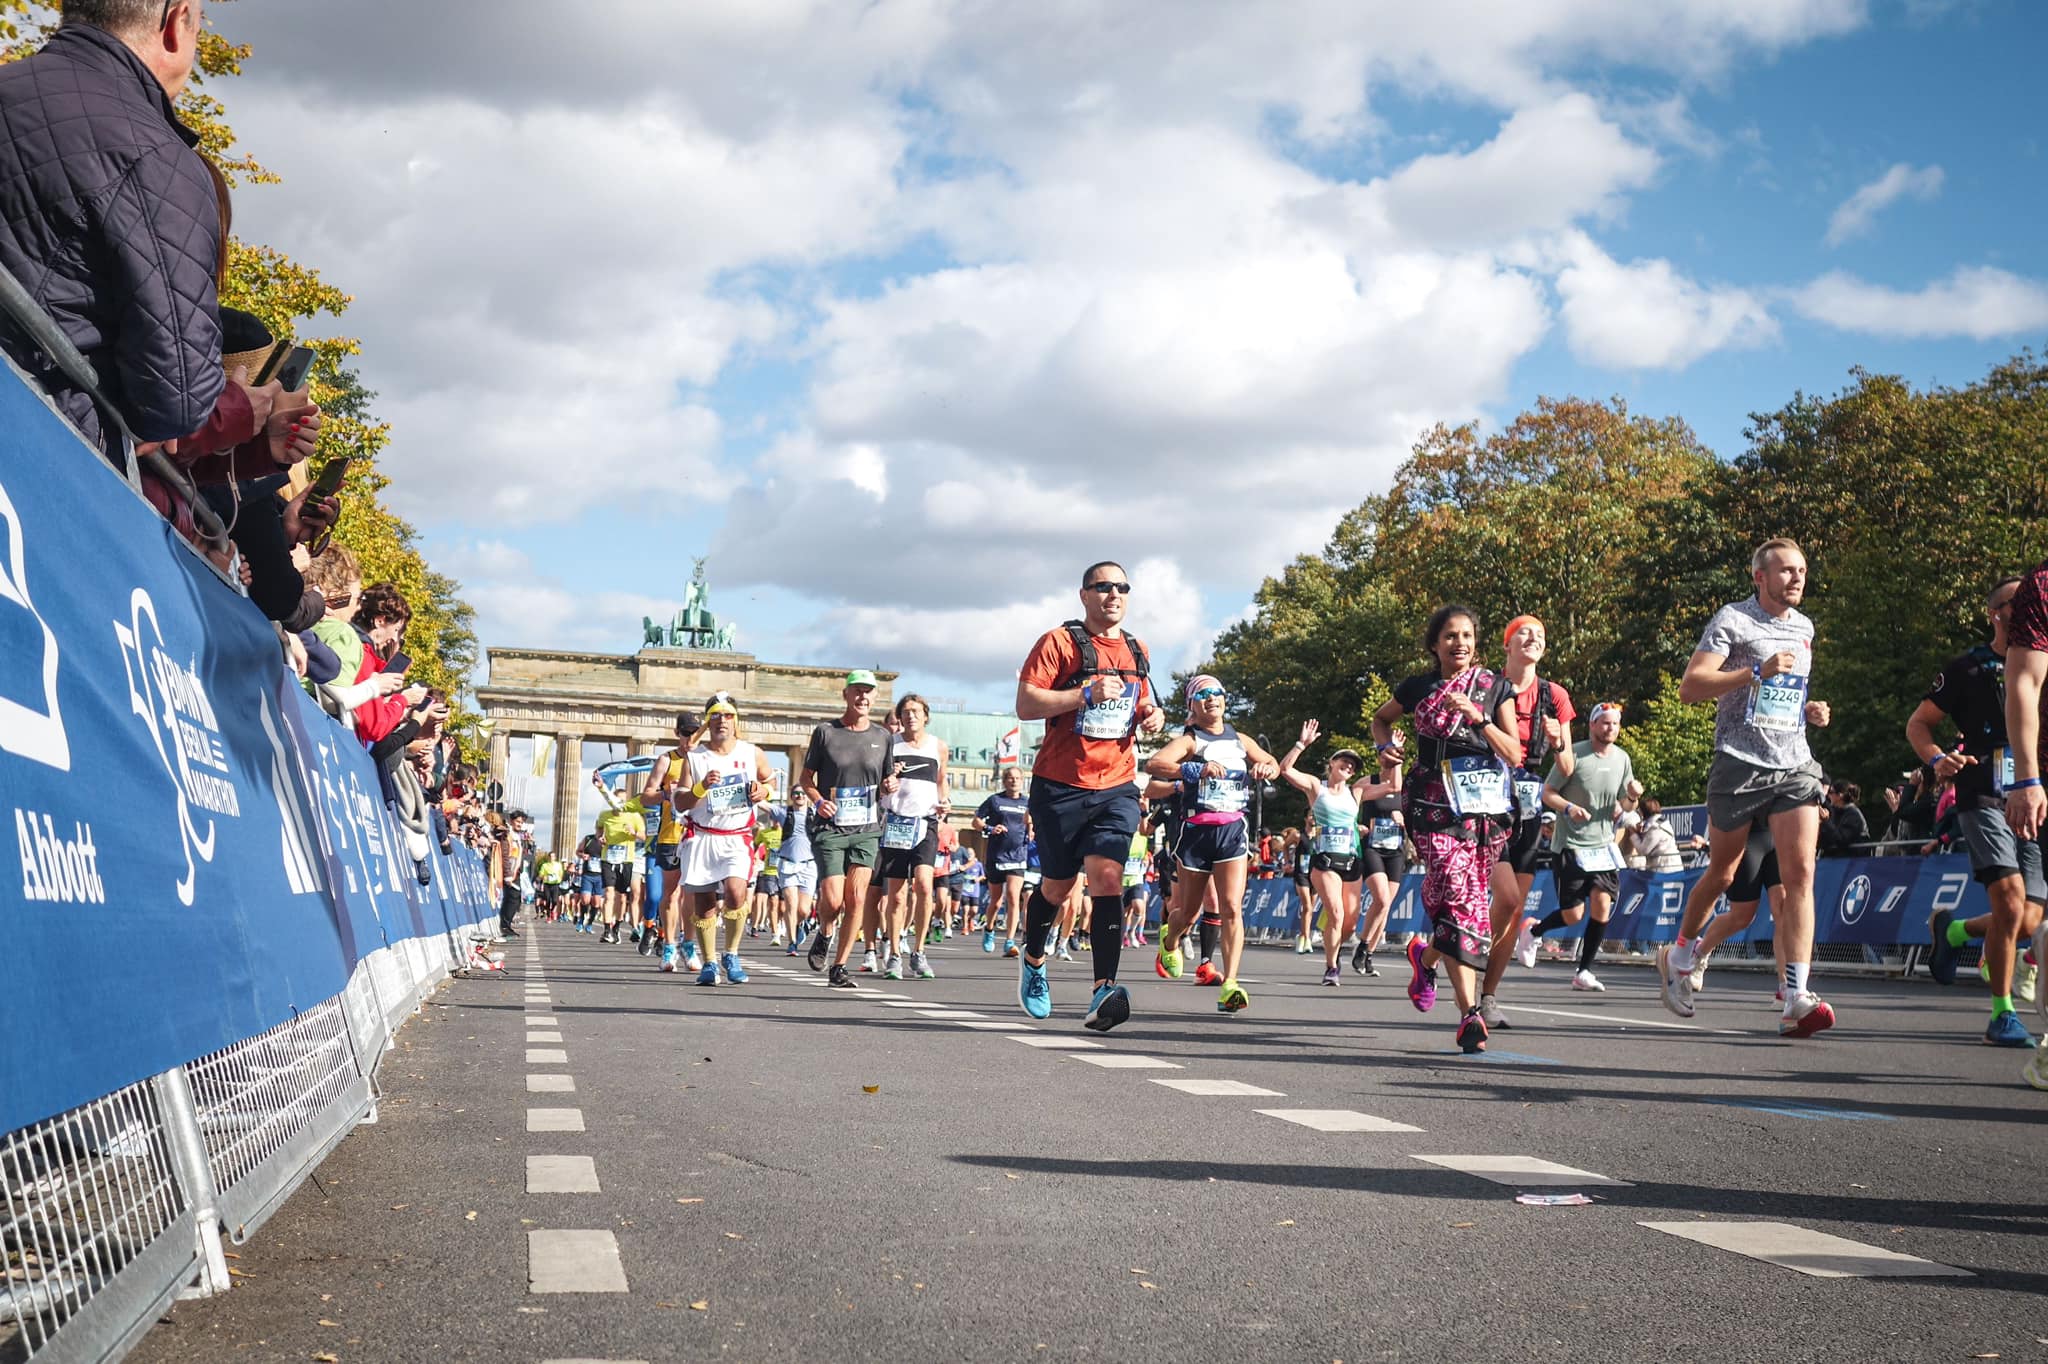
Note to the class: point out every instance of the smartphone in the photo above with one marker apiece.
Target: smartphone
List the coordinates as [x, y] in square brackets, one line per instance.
[401, 662]
[292, 373]
[270, 363]
[329, 482]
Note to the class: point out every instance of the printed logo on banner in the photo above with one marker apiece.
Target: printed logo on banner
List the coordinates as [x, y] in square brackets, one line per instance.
[1855, 895]
[1949, 892]
[25, 731]
[302, 860]
[172, 701]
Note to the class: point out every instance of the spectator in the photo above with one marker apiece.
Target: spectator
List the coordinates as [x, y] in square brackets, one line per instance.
[1655, 842]
[1843, 829]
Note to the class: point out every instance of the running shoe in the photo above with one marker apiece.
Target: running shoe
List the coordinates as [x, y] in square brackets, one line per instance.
[2041, 959]
[709, 975]
[1332, 975]
[1110, 1006]
[1490, 1014]
[796, 949]
[693, 957]
[2036, 1073]
[1422, 979]
[735, 974]
[1231, 998]
[1206, 974]
[868, 964]
[921, 966]
[776, 941]
[841, 978]
[668, 958]
[636, 934]
[1805, 1014]
[1698, 974]
[988, 942]
[1361, 957]
[1674, 987]
[1034, 991]
[893, 969]
[1472, 1033]
[2006, 1030]
[1167, 962]
[1942, 959]
[647, 942]
[1301, 946]
[1585, 980]
[1066, 950]
[1525, 945]
[1010, 947]
[2024, 981]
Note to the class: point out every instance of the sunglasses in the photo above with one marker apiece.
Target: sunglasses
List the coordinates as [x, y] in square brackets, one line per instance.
[1208, 694]
[1104, 589]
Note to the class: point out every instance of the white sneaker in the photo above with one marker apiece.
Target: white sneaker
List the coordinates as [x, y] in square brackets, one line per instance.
[1301, 948]
[868, 963]
[1525, 948]
[1315, 941]
[1586, 980]
[1064, 954]
[921, 966]
[2024, 981]
[1805, 1014]
[776, 941]
[1698, 975]
[1674, 987]
[2036, 1073]
[1489, 1012]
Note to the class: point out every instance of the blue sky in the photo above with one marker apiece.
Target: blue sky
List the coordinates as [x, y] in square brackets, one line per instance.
[903, 311]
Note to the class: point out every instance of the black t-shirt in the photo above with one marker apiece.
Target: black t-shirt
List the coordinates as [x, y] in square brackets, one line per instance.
[1005, 849]
[1466, 738]
[1971, 692]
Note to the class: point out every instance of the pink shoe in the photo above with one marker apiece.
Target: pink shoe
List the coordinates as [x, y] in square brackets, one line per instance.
[1422, 981]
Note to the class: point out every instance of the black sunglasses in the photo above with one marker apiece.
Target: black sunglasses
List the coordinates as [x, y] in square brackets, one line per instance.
[1104, 589]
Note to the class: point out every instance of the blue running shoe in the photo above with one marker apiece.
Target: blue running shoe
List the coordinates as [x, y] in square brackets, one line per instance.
[2006, 1030]
[1941, 961]
[988, 942]
[709, 975]
[668, 958]
[693, 959]
[1111, 1006]
[1034, 991]
[735, 974]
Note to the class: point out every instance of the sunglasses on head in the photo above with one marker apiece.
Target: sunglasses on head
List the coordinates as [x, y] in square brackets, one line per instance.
[1104, 589]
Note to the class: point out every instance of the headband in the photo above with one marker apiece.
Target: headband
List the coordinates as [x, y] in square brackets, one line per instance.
[1516, 624]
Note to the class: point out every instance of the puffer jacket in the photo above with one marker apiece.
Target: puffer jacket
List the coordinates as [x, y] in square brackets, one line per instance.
[109, 219]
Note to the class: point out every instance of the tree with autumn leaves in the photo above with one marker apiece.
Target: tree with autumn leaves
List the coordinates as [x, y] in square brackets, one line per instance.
[1625, 533]
[294, 301]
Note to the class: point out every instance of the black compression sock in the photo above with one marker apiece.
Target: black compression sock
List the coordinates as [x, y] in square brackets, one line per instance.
[1105, 934]
[1596, 933]
[1207, 934]
[1551, 923]
[1040, 914]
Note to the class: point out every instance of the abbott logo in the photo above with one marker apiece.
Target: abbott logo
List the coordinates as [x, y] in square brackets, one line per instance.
[37, 735]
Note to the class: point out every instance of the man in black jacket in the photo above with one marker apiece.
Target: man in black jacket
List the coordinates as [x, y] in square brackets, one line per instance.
[109, 218]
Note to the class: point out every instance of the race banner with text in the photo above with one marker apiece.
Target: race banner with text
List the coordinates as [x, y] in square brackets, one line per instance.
[199, 850]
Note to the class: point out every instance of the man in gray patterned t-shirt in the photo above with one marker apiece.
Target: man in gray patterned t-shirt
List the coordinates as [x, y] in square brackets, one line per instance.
[1755, 661]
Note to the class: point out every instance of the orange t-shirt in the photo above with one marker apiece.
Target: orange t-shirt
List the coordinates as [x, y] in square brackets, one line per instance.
[1067, 754]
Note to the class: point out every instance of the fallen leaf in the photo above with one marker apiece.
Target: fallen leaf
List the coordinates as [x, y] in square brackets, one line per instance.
[325, 1322]
[668, 1305]
[689, 1200]
[1464, 1224]
[1288, 1223]
[702, 1305]
[240, 1273]
[231, 1255]
[1147, 1283]
[1992, 1355]
[1141, 1271]
[1008, 1175]
[734, 1236]
[526, 1222]
[324, 1358]
[917, 1286]
[871, 1089]
[469, 1216]
[400, 1207]
[327, 1297]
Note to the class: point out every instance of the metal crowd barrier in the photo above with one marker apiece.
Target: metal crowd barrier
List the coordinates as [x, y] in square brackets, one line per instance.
[116, 1209]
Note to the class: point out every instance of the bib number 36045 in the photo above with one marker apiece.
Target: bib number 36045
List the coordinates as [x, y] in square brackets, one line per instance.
[1109, 718]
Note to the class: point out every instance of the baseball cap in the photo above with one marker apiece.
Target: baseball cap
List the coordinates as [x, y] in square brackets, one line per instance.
[861, 677]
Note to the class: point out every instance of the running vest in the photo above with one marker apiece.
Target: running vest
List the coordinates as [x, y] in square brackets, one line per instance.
[727, 806]
[1100, 720]
[1336, 815]
[1219, 800]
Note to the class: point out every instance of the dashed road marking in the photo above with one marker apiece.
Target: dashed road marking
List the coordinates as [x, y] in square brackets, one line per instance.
[1217, 1089]
[574, 1262]
[542, 1022]
[1337, 1120]
[543, 1037]
[1056, 1042]
[546, 1056]
[550, 1084]
[949, 1013]
[1813, 1253]
[1625, 1022]
[1521, 1172]
[561, 1174]
[554, 1120]
[1118, 1060]
[994, 1027]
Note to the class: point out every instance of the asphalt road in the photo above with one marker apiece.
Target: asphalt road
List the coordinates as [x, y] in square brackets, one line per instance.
[791, 1172]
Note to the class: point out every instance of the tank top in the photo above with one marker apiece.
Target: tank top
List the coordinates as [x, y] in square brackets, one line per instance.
[728, 779]
[1383, 832]
[1336, 815]
[917, 794]
[1221, 800]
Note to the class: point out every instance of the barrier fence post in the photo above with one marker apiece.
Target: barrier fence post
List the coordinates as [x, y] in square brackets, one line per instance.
[188, 1156]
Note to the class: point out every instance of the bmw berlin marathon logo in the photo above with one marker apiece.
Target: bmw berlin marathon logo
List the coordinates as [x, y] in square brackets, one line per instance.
[1855, 898]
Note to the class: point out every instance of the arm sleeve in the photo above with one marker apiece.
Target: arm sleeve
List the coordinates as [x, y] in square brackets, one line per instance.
[162, 237]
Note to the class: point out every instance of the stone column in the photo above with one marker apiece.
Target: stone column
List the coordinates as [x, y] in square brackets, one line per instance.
[568, 790]
[795, 754]
[639, 748]
[501, 755]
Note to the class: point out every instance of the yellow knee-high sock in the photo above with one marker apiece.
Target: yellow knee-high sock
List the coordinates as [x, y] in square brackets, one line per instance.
[707, 936]
[735, 929]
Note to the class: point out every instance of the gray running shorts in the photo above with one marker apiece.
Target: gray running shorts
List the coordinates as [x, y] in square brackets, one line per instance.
[1995, 854]
[1739, 793]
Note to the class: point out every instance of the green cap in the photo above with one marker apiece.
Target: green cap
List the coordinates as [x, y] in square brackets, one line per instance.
[861, 677]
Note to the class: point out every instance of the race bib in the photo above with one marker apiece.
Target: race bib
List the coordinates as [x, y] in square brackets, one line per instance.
[618, 852]
[1528, 798]
[1778, 703]
[1134, 866]
[1606, 857]
[1225, 795]
[903, 832]
[727, 797]
[1386, 835]
[1477, 785]
[1109, 718]
[1009, 866]
[2001, 769]
[1340, 840]
[853, 805]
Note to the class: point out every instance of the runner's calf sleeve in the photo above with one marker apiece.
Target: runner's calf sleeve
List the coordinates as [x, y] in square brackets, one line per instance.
[1551, 923]
[1105, 928]
[1589, 948]
[1211, 928]
[735, 927]
[1040, 914]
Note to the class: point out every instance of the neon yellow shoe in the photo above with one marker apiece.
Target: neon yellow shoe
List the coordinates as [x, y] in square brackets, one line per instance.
[1232, 998]
[1167, 963]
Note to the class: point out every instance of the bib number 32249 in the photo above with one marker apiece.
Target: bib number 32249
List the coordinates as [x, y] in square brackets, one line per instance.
[1778, 703]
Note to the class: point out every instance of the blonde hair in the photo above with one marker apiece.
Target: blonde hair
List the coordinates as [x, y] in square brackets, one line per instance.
[332, 571]
[1774, 545]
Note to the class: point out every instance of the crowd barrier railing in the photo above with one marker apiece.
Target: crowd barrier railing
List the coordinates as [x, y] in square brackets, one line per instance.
[213, 921]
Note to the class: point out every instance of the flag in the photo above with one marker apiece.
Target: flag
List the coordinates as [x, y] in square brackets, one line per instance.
[1010, 747]
[543, 745]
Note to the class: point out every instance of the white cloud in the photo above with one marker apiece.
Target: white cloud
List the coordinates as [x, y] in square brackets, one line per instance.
[1979, 302]
[1856, 213]
[1646, 315]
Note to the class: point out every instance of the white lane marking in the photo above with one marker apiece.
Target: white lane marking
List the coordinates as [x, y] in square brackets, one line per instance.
[910, 1004]
[1625, 1022]
[1218, 1089]
[593, 1361]
[1521, 1172]
[949, 1013]
[573, 1262]
[561, 1174]
[543, 1037]
[541, 1023]
[1337, 1120]
[554, 1120]
[994, 1027]
[1117, 1060]
[1813, 1253]
[550, 1084]
[546, 1056]
[1059, 1043]
[877, 994]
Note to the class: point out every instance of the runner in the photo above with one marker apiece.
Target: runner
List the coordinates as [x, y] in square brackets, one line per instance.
[1756, 661]
[2026, 664]
[945, 877]
[655, 793]
[910, 844]
[850, 759]
[552, 874]
[1757, 877]
[1970, 692]
[1004, 820]
[1459, 805]
[1335, 869]
[767, 871]
[727, 778]
[1091, 683]
[797, 871]
[589, 882]
[1294, 860]
[1137, 863]
[1587, 795]
[1382, 863]
[1543, 722]
[621, 828]
[1217, 765]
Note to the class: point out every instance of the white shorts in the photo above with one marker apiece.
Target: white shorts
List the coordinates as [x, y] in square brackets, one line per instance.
[712, 859]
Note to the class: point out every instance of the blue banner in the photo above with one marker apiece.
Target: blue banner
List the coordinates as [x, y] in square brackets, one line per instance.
[201, 852]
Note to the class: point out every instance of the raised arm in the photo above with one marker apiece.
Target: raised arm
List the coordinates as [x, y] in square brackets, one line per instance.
[1292, 775]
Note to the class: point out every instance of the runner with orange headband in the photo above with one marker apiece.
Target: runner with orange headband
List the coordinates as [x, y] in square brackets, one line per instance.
[1543, 722]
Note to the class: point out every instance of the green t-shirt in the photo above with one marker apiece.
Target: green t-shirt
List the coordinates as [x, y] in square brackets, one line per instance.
[1134, 863]
[1596, 783]
[550, 872]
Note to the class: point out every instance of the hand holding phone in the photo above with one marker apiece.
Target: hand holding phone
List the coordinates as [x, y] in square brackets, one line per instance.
[291, 375]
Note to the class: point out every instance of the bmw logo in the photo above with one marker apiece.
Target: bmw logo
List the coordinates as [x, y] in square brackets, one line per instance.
[1855, 897]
